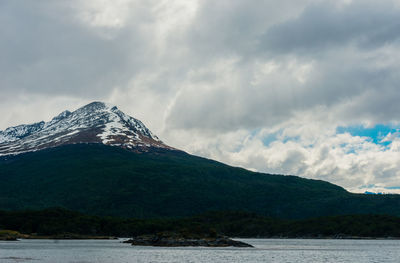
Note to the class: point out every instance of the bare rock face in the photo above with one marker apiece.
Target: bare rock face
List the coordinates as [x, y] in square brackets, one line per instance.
[96, 122]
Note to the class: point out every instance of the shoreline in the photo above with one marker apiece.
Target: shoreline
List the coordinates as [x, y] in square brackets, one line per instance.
[234, 238]
[10, 235]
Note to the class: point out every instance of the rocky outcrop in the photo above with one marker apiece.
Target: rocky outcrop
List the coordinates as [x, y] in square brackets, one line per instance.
[174, 240]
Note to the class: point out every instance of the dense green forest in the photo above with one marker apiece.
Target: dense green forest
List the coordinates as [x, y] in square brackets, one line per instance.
[110, 181]
[56, 221]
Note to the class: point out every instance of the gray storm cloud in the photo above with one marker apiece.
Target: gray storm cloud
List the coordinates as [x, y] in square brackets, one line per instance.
[326, 25]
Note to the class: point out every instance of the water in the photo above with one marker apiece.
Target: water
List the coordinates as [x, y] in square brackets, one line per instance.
[266, 250]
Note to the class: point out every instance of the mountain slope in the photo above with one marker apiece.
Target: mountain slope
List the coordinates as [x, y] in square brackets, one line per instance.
[105, 180]
[99, 160]
[96, 122]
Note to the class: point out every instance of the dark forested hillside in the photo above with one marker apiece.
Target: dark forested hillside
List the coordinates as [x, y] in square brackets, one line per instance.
[104, 180]
[61, 223]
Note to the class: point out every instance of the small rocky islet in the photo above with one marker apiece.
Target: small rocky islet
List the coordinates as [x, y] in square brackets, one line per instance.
[178, 240]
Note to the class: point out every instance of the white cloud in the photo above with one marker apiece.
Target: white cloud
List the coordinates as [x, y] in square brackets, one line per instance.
[103, 13]
[305, 148]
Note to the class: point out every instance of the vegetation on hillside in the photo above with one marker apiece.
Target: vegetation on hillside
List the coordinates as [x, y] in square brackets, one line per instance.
[109, 181]
[59, 222]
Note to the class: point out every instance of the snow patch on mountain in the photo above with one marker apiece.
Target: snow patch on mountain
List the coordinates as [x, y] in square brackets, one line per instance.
[14, 133]
[96, 122]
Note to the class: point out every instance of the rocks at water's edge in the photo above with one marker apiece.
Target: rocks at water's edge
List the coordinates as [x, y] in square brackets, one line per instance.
[176, 240]
[8, 238]
[9, 235]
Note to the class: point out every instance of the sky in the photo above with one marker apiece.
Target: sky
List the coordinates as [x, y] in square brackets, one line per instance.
[302, 87]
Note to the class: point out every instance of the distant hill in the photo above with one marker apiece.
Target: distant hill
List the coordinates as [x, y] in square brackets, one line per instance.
[106, 180]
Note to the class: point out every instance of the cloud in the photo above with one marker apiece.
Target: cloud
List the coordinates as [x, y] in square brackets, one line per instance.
[91, 48]
[327, 24]
[303, 147]
[259, 84]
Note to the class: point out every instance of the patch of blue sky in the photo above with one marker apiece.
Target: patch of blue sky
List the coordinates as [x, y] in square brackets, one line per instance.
[277, 136]
[348, 148]
[287, 139]
[253, 133]
[375, 134]
[267, 140]
[392, 187]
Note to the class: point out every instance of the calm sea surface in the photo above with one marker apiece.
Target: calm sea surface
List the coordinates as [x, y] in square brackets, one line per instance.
[266, 250]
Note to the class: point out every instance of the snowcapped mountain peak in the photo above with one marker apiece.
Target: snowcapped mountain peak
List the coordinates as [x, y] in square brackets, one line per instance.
[96, 122]
[95, 106]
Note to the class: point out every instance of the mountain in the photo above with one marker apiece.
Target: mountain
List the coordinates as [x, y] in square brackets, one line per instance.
[100, 161]
[96, 122]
